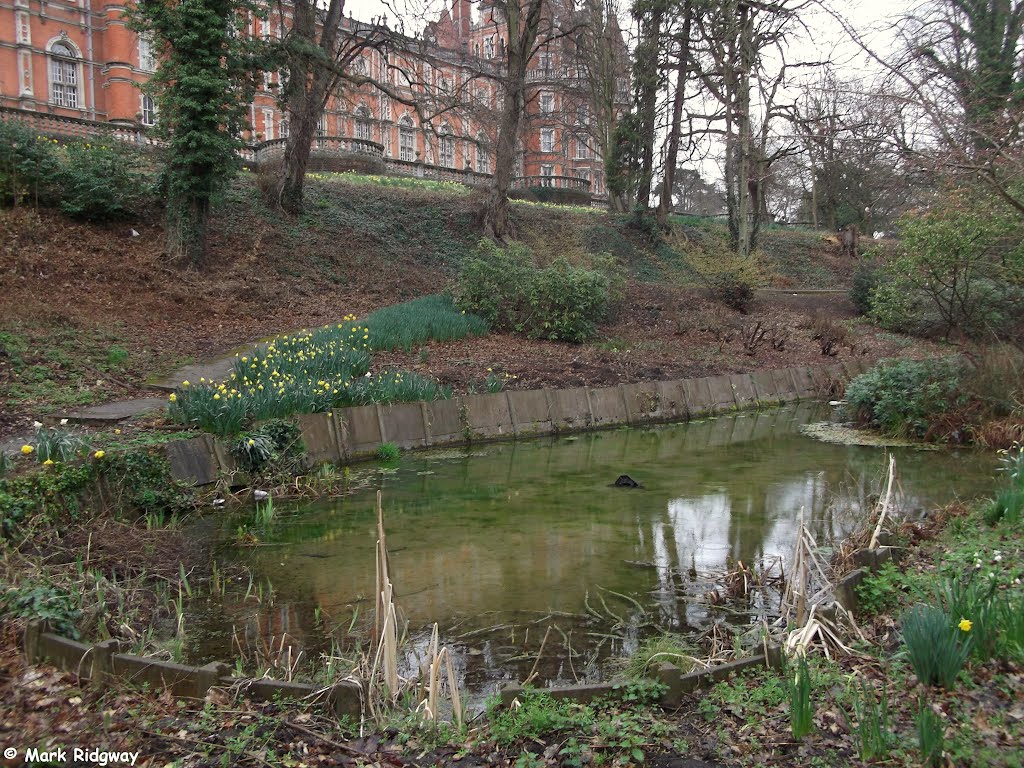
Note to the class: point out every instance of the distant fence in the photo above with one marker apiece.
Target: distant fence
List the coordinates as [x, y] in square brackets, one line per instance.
[330, 153]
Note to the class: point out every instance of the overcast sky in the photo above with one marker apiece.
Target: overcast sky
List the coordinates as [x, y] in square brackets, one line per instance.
[827, 39]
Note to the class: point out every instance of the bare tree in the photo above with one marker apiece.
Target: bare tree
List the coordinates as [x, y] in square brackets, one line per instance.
[734, 37]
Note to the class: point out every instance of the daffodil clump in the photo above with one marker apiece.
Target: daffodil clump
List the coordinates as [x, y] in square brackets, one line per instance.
[308, 372]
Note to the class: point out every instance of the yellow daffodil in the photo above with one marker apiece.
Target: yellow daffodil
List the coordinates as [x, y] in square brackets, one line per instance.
[117, 431]
[965, 625]
[48, 462]
[251, 442]
[100, 454]
[27, 449]
[185, 384]
[173, 397]
[216, 396]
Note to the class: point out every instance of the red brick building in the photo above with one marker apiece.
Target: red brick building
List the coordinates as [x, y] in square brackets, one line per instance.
[78, 59]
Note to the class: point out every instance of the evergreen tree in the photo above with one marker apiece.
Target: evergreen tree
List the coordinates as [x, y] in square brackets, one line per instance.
[203, 87]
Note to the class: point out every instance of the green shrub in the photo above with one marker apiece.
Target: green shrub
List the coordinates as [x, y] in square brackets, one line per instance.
[100, 183]
[1010, 620]
[36, 600]
[866, 280]
[559, 302]
[936, 646]
[880, 590]
[1007, 506]
[902, 397]
[56, 444]
[253, 451]
[29, 166]
[537, 715]
[801, 708]
[430, 318]
[931, 734]
[388, 452]
[733, 290]
[960, 268]
[972, 599]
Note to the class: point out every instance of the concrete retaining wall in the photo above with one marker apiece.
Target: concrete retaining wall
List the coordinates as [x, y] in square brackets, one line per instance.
[350, 434]
[104, 664]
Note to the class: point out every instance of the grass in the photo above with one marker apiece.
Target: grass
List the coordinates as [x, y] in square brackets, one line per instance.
[430, 318]
[393, 182]
[57, 365]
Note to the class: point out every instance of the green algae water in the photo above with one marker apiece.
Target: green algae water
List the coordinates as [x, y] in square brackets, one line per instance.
[499, 542]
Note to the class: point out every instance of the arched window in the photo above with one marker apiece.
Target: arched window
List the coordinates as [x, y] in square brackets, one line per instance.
[446, 147]
[148, 110]
[63, 76]
[406, 139]
[364, 128]
[483, 153]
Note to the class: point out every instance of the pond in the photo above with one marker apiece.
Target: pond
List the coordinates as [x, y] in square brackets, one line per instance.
[498, 542]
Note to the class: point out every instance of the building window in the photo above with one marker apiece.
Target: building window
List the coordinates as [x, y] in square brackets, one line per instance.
[446, 147]
[483, 154]
[582, 173]
[264, 28]
[23, 31]
[283, 129]
[268, 124]
[547, 102]
[545, 63]
[63, 76]
[364, 128]
[582, 115]
[547, 140]
[147, 62]
[406, 140]
[489, 47]
[321, 126]
[582, 150]
[148, 110]
[546, 172]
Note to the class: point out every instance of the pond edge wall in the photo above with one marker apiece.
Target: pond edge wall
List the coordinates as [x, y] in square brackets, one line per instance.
[351, 434]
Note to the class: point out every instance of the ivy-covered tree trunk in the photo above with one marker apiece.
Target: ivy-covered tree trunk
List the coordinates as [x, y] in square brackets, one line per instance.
[202, 87]
[647, 77]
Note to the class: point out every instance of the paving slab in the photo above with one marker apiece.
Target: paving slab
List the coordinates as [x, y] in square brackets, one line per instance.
[743, 390]
[569, 409]
[643, 402]
[404, 425]
[530, 413]
[361, 434]
[445, 423]
[217, 369]
[488, 416]
[108, 413]
[608, 407]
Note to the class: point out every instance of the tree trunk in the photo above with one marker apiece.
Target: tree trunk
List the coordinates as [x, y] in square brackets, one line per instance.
[496, 224]
[305, 95]
[672, 157]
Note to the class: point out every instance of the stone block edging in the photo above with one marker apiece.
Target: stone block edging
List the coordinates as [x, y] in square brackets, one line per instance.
[103, 664]
[351, 434]
[675, 680]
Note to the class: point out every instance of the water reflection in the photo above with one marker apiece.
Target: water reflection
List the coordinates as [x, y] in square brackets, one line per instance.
[520, 535]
